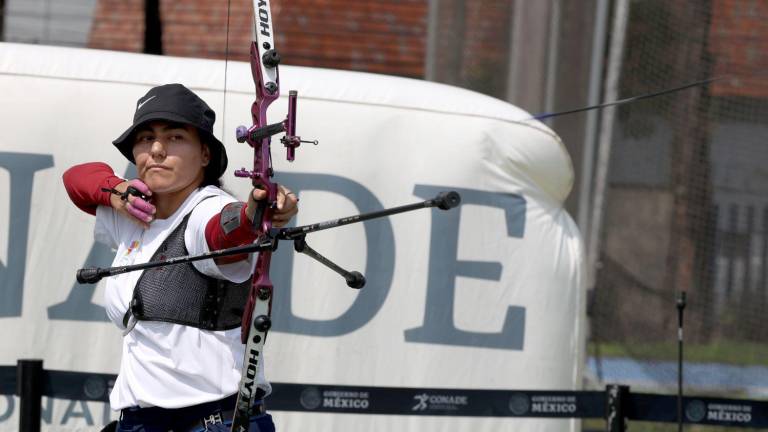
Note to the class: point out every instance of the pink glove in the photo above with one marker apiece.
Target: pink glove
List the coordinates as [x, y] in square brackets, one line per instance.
[137, 206]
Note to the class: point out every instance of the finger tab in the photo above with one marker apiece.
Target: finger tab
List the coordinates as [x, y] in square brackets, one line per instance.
[138, 184]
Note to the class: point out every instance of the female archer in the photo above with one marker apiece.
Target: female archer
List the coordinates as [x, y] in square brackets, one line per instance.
[181, 352]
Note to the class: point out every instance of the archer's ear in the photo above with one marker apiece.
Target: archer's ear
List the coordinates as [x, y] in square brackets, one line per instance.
[206, 154]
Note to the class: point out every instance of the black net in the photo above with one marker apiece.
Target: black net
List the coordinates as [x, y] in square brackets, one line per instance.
[687, 204]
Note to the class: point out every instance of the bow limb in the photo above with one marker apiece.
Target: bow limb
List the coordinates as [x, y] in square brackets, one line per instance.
[256, 317]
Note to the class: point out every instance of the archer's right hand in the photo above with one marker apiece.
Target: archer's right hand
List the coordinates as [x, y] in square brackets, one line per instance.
[135, 208]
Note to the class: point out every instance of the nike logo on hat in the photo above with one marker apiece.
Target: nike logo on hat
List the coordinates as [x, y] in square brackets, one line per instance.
[141, 104]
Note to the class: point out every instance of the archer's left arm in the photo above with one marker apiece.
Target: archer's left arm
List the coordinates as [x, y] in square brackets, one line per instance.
[233, 226]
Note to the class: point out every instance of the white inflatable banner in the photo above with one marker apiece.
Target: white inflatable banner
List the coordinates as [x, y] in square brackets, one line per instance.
[486, 296]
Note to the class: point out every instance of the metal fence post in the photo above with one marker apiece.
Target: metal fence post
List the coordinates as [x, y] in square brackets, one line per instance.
[29, 388]
[616, 398]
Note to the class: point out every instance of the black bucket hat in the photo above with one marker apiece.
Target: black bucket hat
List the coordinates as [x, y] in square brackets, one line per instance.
[174, 102]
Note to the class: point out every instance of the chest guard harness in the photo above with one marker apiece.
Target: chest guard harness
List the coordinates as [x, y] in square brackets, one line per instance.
[180, 294]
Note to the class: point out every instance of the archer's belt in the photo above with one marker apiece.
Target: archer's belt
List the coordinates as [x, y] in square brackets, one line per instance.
[192, 418]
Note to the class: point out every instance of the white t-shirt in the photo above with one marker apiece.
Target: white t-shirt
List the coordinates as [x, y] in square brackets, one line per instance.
[164, 364]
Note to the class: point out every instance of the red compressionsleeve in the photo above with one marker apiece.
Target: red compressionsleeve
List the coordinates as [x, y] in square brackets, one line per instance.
[217, 238]
[84, 182]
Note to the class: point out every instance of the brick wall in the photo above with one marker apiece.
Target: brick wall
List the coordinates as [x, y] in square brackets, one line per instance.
[472, 45]
[739, 43]
[383, 36]
[118, 25]
[390, 36]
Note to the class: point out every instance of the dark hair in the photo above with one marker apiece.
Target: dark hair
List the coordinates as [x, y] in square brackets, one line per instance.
[210, 175]
[210, 179]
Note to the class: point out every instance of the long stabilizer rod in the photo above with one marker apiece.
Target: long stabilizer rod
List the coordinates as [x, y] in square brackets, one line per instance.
[443, 201]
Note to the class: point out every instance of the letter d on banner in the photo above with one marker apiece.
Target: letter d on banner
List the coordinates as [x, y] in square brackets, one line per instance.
[379, 267]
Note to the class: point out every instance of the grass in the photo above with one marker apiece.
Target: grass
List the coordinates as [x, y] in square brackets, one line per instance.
[733, 353]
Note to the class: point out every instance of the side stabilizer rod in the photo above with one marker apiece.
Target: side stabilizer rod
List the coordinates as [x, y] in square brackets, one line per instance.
[354, 279]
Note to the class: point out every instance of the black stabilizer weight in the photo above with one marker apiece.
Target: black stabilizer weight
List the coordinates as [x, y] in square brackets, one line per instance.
[262, 323]
[355, 280]
[271, 58]
[447, 200]
[88, 275]
[299, 243]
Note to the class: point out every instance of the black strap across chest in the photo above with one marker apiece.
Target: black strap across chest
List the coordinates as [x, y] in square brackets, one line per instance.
[180, 294]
